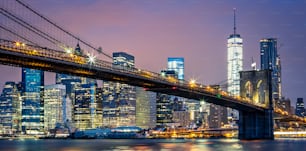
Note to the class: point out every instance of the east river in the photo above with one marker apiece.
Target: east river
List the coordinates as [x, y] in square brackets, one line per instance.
[153, 145]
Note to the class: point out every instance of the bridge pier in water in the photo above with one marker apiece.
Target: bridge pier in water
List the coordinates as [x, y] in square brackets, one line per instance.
[256, 85]
[256, 125]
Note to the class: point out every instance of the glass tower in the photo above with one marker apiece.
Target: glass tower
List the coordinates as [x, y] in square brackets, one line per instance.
[9, 109]
[177, 65]
[119, 100]
[32, 117]
[300, 108]
[234, 61]
[164, 109]
[88, 106]
[54, 105]
[269, 59]
[234, 66]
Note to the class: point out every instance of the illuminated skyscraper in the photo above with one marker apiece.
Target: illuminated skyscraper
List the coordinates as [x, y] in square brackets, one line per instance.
[54, 105]
[71, 83]
[123, 59]
[234, 61]
[164, 109]
[119, 100]
[10, 109]
[32, 103]
[88, 106]
[234, 66]
[269, 59]
[177, 65]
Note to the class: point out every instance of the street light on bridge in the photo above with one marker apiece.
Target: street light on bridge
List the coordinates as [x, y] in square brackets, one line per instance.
[91, 58]
[192, 82]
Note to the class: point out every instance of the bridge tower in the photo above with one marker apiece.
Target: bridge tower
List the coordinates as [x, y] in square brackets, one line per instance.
[257, 86]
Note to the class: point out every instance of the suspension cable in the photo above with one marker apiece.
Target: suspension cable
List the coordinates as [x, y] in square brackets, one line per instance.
[57, 26]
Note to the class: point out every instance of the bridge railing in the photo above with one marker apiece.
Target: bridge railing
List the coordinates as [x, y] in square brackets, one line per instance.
[83, 60]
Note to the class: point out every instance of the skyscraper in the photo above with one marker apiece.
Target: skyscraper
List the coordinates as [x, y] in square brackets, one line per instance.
[164, 109]
[145, 108]
[234, 65]
[269, 59]
[234, 61]
[123, 59]
[54, 105]
[88, 106]
[300, 108]
[10, 109]
[119, 100]
[177, 65]
[72, 83]
[32, 118]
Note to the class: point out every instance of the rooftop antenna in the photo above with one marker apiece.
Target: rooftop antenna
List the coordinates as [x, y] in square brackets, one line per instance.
[253, 65]
[234, 21]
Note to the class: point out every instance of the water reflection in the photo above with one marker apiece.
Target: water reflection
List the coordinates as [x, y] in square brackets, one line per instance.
[153, 145]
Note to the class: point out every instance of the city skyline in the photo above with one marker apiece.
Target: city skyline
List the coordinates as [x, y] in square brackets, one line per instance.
[153, 32]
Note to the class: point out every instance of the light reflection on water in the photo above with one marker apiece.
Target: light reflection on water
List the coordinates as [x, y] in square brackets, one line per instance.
[153, 145]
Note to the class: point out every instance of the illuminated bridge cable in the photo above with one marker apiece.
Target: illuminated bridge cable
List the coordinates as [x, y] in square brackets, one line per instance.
[14, 33]
[30, 27]
[67, 32]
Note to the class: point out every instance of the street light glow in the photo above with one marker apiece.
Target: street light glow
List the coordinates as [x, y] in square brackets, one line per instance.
[192, 82]
[68, 50]
[91, 58]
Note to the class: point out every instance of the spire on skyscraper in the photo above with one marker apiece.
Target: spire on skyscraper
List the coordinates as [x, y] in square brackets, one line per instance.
[234, 21]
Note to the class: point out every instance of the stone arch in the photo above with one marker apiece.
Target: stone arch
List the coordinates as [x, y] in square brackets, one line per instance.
[260, 88]
[248, 89]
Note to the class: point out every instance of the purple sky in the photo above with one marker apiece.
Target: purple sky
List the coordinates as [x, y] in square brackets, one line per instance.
[197, 30]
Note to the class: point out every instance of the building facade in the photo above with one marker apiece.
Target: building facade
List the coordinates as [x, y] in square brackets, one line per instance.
[270, 59]
[177, 65]
[71, 83]
[87, 107]
[300, 108]
[234, 65]
[32, 117]
[164, 110]
[10, 109]
[119, 100]
[217, 116]
[145, 108]
[54, 105]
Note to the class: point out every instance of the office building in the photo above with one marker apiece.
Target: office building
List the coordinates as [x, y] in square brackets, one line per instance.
[87, 110]
[145, 108]
[181, 118]
[54, 105]
[234, 65]
[10, 105]
[119, 100]
[32, 117]
[123, 59]
[300, 108]
[164, 110]
[71, 83]
[270, 59]
[177, 65]
[217, 116]
[234, 61]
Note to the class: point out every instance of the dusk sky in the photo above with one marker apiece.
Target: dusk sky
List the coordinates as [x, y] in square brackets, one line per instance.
[197, 30]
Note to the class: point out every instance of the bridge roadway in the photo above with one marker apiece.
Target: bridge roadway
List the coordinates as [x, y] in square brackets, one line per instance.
[22, 55]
